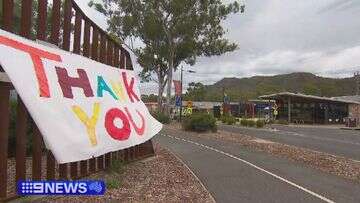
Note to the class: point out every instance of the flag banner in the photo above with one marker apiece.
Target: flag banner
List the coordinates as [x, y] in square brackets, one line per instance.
[83, 108]
[177, 85]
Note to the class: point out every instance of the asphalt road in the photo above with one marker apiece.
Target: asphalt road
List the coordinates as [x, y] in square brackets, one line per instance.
[334, 141]
[234, 174]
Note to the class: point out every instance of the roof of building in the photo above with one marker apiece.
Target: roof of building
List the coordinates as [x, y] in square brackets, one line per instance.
[355, 98]
[261, 101]
[203, 105]
[310, 97]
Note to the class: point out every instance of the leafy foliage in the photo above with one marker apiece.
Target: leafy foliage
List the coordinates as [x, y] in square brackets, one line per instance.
[248, 123]
[244, 122]
[149, 98]
[161, 117]
[176, 31]
[195, 92]
[228, 119]
[113, 177]
[251, 123]
[113, 183]
[282, 122]
[200, 122]
[260, 123]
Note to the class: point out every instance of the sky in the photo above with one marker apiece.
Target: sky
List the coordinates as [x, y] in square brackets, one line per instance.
[278, 37]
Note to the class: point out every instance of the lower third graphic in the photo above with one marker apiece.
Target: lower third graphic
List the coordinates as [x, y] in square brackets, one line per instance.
[88, 187]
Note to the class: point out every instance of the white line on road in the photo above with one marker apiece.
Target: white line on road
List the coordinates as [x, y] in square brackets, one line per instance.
[300, 135]
[292, 133]
[256, 167]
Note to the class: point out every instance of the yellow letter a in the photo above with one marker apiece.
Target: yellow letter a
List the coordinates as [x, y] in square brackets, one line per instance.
[90, 123]
[118, 89]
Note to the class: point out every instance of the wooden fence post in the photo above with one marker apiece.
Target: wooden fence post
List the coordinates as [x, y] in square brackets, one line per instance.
[4, 136]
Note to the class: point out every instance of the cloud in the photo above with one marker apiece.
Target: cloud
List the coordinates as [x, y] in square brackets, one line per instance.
[283, 36]
[330, 64]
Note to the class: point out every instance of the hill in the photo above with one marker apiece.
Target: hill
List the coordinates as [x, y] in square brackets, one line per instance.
[251, 88]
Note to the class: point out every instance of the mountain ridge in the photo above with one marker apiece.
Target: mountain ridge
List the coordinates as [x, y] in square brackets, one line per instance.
[298, 82]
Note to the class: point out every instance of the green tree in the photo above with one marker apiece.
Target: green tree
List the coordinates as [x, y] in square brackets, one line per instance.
[153, 65]
[149, 98]
[175, 30]
[195, 92]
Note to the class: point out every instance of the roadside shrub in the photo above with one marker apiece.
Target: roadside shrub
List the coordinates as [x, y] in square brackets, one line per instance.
[116, 166]
[199, 122]
[260, 123]
[244, 122]
[113, 182]
[161, 117]
[251, 123]
[282, 122]
[113, 176]
[228, 119]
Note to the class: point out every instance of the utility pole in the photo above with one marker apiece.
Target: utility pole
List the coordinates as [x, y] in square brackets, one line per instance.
[181, 98]
[181, 81]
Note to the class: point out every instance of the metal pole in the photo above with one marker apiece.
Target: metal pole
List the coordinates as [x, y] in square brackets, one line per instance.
[181, 98]
[181, 81]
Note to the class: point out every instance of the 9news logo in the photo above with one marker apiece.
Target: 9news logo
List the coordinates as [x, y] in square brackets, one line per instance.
[88, 187]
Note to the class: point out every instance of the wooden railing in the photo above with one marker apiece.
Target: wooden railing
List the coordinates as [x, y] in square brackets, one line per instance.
[64, 24]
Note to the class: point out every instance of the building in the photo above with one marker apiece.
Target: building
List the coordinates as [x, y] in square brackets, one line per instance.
[301, 108]
[249, 109]
[202, 106]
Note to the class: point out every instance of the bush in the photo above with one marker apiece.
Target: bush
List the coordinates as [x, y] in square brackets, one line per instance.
[113, 176]
[199, 122]
[260, 123]
[228, 119]
[112, 183]
[161, 117]
[244, 122]
[282, 122]
[251, 123]
[117, 166]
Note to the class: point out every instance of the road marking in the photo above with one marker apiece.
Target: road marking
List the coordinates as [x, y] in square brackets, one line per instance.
[193, 174]
[292, 133]
[282, 132]
[317, 138]
[256, 167]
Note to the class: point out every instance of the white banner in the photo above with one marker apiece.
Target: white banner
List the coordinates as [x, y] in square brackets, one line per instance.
[83, 108]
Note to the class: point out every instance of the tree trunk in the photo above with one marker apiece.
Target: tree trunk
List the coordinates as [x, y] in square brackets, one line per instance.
[169, 82]
[160, 94]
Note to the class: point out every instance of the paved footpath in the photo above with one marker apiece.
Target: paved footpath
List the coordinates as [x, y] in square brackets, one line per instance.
[334, 141]
[234, 174]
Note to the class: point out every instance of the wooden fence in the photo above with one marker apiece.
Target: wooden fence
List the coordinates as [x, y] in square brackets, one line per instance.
[64, 24]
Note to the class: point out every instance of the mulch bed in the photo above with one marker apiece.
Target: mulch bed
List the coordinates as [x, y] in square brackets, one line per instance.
[346, 168]
[162, 178]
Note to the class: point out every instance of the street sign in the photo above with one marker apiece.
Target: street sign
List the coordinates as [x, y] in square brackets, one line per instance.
[187, 111]
[178, 101]
[189, 104]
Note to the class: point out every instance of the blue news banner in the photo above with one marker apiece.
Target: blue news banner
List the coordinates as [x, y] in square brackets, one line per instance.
[86, 187]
